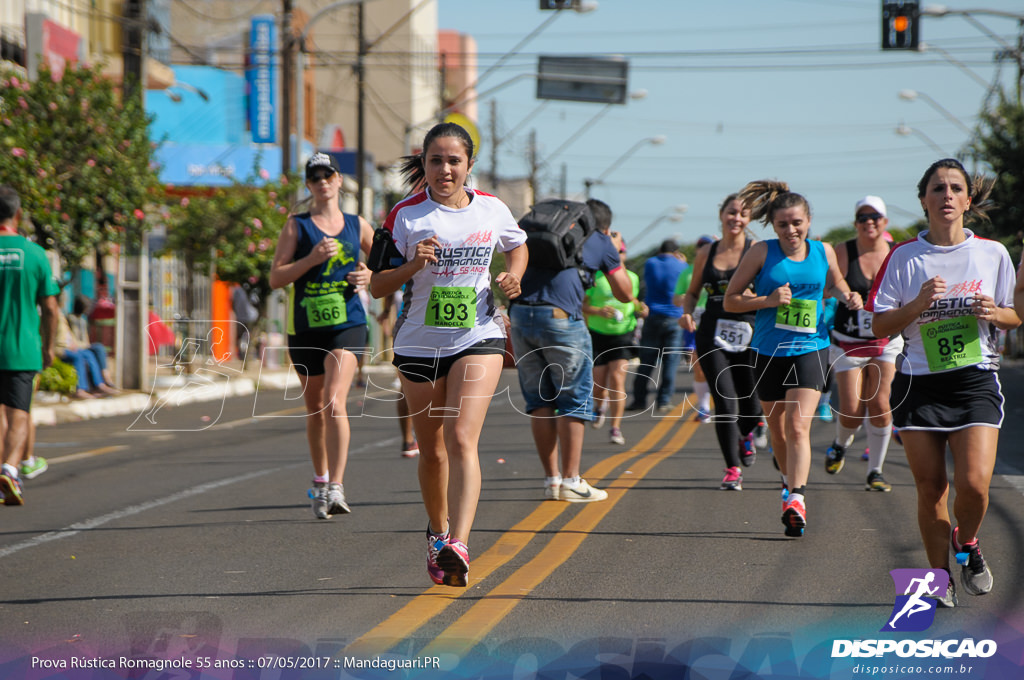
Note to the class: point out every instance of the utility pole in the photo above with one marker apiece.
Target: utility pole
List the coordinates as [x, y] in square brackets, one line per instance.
[494, 145]
[287, 43]
[132, 270]
[361, 111]
[534, 166]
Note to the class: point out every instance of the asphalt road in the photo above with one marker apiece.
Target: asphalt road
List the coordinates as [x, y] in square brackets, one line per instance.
[191, 539]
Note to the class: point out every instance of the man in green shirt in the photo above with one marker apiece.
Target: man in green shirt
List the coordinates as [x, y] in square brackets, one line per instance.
[26, 340]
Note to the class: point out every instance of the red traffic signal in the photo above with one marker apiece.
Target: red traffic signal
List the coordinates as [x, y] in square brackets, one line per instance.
[901, 23]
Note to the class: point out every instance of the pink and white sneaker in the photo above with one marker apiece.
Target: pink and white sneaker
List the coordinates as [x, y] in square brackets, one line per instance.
[794, 516]
[453, 559]
[435, 542]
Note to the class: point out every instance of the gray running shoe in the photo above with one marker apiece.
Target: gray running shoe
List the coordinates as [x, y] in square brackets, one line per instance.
[948, 599]
[974, 572]
[319, 495]
[761, 436]
[336, 504]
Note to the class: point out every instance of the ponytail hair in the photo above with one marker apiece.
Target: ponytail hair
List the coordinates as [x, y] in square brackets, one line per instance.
[412, 168]
[979, 186]
[765, 196]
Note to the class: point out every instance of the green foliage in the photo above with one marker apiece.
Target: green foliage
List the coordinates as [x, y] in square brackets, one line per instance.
[59, 377]
[79, 156]
[1000, 145]
[234, 229]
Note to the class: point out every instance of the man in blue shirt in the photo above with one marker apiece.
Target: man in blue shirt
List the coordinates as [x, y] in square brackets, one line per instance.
[554, 358]
[661, 337]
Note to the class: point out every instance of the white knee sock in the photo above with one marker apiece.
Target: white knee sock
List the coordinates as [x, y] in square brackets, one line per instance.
[878, 442]
[703, 393]
[845, 435]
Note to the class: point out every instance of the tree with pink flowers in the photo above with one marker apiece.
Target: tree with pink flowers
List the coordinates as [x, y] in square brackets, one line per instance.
[232, 229]
[80, 158]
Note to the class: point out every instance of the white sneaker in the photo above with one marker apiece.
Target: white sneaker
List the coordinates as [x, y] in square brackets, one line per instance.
[551, 490]
[581, 492]
[598, 420]
[336, 504]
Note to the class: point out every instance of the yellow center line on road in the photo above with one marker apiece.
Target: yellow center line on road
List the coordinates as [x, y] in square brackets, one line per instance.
[474, 625]
[403, 623]
[86, 454]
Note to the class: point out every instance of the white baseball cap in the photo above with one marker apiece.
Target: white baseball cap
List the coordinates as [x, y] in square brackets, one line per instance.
[873, 202]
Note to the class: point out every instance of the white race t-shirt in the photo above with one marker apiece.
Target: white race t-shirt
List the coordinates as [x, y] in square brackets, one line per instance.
[948, 335]
[449, 306]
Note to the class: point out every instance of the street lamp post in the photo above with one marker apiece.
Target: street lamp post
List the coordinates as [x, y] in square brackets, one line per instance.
[905, 131]
[1014, 51]
[673, 214]
[912, 95]
[656, 141]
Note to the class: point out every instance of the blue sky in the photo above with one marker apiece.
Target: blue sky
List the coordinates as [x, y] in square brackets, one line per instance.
[797, 90]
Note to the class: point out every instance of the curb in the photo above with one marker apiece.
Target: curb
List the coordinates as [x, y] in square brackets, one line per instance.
[173, 391]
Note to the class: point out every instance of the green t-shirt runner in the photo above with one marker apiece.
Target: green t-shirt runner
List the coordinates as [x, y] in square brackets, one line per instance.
[25, 278]
[600, 295]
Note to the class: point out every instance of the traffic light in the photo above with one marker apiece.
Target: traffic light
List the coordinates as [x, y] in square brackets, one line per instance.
[558, 4]
[901, 24]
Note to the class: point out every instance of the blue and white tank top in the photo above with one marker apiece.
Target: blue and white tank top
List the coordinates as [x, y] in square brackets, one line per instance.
[321, 299]
[797, 328]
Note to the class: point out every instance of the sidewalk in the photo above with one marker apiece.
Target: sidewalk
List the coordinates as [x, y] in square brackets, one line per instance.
[215, 382]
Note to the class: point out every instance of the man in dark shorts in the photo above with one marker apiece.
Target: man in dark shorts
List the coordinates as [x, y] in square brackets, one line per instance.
[26, 346]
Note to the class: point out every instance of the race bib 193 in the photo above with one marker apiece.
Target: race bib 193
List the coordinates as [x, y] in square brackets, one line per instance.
[452, 307]
[799, 316]
[951, 343]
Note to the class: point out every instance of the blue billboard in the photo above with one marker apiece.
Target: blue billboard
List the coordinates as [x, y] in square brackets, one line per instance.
[261, 76]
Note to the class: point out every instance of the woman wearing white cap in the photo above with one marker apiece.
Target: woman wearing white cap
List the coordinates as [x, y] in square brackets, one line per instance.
[863, 365]
[949, 293]
[317, 257]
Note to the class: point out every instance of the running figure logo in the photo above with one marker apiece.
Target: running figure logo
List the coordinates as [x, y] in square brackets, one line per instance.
[914, 610]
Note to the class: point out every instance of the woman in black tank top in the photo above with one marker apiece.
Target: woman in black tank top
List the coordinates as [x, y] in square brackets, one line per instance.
[722, 340]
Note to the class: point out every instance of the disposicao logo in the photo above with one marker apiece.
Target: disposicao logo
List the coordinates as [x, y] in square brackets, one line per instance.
[914, 610]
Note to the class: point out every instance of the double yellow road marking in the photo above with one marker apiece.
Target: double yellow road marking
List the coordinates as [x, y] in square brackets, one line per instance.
[481, 618]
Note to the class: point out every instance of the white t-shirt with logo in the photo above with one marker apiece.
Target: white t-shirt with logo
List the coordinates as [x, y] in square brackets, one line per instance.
[449, 306]
[948, 335]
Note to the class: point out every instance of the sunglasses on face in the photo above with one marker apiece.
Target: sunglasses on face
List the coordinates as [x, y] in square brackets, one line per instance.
[861, 219]
[320, 176]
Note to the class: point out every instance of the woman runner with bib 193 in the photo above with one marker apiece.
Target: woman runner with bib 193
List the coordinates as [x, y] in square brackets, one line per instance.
[791, 274]
[949, 293]
[449, 341]
[317, 256]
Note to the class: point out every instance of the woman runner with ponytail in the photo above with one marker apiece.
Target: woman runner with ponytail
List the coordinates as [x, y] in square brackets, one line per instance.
[449, 340]
[791, 275]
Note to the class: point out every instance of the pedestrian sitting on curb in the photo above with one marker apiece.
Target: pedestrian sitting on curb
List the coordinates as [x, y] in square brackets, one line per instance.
[88, 359]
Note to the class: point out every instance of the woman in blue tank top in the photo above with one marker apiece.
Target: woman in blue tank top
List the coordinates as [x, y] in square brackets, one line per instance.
[791, 276]
[317, 257]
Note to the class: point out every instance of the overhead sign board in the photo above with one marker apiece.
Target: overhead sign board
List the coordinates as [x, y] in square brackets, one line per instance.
[604, 80]
[261, 76]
